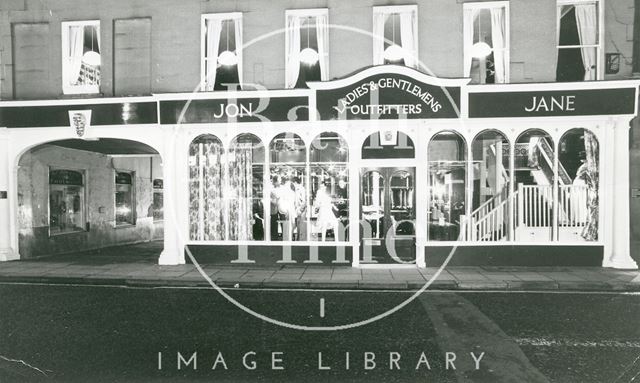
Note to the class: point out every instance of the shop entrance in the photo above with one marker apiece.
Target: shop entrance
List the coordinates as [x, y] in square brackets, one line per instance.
[387, 213]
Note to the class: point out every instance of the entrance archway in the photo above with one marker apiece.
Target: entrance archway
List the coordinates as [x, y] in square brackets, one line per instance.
[76, 196]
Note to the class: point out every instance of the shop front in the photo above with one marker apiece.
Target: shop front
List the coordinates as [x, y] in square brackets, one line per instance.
[391, 166]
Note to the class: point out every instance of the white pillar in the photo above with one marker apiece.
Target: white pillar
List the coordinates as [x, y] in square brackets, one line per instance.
[173, 172]
[7, 197]
[618, 254]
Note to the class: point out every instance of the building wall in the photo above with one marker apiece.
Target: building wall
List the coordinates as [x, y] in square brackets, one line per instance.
[33, 201]
[175, 38]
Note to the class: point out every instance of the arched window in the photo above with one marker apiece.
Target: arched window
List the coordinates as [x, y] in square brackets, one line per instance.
[489, 218]
[578, 203]
[329, 155]
[245, 184]
[446, 156]
[388, 144]
[534, 175]
[288, 194]
[206, 204]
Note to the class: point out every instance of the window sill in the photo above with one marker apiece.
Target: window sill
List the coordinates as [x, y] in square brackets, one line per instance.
[51, 235]
[123, 225]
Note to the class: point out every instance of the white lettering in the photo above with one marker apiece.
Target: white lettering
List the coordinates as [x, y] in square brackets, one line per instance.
[394, 358]
[477, 360]
[219, 359]
[275, 360]
[194, 359]
[450, 357]
[252, 365]
[369, 361]
[320, 366]
[423, 360]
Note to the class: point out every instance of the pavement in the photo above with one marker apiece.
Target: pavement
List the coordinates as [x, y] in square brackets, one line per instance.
[136, 265]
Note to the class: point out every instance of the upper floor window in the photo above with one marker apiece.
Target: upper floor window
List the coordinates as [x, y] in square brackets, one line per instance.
[221, 44]
[579, 28]
[395, 35]
[486, 42]
[307, 47]
[81, 58]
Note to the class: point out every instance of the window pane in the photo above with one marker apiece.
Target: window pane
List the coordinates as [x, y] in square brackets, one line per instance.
[66, 201]
[246, 172]
[124, 199]
[373, 204]
[489, 220]
[578, 192]
[402, 202]
[534, 175]
[447, 179]
[206, 206]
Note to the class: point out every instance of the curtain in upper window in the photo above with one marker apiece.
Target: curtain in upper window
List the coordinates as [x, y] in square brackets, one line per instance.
[395, 35]
[486, 43]
[222, 51]
[307, 47]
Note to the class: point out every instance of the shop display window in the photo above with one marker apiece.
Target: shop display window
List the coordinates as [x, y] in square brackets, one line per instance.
[124, 199]
[157, 205]
[66, 201]
[446, 156]
[289, 201]
[329, 156]
[490, 202]
[578, 201]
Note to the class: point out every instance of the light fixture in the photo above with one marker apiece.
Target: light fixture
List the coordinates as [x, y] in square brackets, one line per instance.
[227, 57]
[480, 50]
[393, 52]
[91, 57]
[308, 55]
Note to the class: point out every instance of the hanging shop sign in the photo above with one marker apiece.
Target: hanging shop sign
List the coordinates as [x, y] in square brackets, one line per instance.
[228, 110]
[123, 178]
[579, 102]
[80, 122]
[388, 92]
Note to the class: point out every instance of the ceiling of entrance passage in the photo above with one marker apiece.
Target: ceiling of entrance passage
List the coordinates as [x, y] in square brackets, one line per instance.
[107, 146]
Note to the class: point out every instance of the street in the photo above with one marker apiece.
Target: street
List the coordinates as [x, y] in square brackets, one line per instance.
[64, 333]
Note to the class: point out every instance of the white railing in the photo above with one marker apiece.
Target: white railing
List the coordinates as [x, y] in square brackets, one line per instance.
[492, 226]
[574, 208]
[534, 205]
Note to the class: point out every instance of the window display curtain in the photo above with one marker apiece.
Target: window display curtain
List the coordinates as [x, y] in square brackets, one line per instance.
[76, 50]
[241, 189]
[206, 213]
[498, 40]
[213, 30]
[592, 179]
[470, 16]
[237, 27]
[379, 19]
[322, 33]
[293, 52]
[409, 38]
[587, 20]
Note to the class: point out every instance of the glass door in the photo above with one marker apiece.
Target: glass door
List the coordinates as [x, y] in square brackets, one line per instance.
[387, 215]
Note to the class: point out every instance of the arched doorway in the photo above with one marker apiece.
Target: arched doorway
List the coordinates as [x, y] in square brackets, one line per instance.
[388, 199]
[77, 196]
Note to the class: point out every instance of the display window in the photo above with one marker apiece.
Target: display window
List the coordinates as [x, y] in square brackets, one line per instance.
[157, 205]
[329, 157]
[124, 198]
[490, 202]
[446, 156]
[66, 201]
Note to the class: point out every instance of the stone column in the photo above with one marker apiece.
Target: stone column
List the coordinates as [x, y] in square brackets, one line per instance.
[172, 172]
[7, 197]
[618, 254]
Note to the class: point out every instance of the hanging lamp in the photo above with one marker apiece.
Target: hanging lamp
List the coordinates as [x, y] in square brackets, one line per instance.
[227, 57]
[393, 52]
[308, 55]
[91, 57]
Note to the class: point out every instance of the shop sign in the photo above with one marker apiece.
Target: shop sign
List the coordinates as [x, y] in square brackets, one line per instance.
[158, 183]
[65, 177]
[223, 110]
[80, 121]
[388, 95]
[580, 102]
[123, 178]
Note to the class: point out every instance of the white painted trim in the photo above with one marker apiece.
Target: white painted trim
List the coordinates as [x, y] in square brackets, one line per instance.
[388, 9]
[389, 69]
[306, 12]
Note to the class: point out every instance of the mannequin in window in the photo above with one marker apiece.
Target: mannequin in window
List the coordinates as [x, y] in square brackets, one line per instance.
[326, 216]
